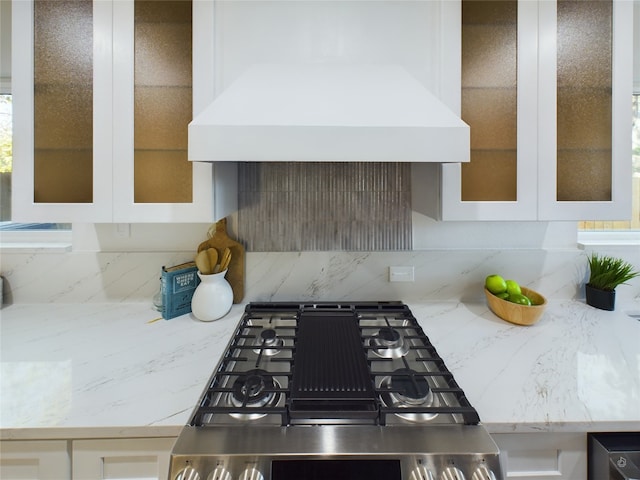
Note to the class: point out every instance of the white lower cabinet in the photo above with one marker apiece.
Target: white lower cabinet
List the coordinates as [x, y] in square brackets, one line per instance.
[122, 459]
[543, 456]
[87, 459]
[35, 460]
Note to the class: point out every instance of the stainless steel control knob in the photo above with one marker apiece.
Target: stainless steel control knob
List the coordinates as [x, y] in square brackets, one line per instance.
[421, 473]
[219, 473]
[251, 474]
[188, 473]
[452, 473]
[483, 473]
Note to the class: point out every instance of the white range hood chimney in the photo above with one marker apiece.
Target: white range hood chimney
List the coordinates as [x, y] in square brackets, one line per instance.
[328, 112]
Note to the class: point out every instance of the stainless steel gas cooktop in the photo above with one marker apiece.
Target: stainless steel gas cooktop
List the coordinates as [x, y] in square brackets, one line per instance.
[333, 390]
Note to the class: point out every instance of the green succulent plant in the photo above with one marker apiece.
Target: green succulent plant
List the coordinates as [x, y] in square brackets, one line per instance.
[609, 272]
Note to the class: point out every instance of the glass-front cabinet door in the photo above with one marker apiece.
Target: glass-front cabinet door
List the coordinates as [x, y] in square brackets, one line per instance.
[499, 102]
[546, 90]
[153, 105]
[585, 94]
[61, 90]
[103, 95]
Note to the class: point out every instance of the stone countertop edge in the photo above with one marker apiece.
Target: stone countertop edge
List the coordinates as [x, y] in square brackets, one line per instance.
[108, 370]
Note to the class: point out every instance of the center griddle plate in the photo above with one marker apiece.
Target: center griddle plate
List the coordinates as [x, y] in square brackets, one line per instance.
[331, 378]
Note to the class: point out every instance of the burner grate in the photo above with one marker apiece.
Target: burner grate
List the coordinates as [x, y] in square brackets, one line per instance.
[332, 363]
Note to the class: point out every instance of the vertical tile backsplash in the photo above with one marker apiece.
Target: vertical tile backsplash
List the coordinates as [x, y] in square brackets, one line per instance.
[317, 206]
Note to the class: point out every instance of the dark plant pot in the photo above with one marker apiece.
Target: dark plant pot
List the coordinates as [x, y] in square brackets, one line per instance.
[602, 299]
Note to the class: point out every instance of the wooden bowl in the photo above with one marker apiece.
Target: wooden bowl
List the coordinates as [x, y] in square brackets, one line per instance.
[515, 313]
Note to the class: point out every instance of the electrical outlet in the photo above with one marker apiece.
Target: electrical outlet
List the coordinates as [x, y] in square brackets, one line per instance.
[401, 274]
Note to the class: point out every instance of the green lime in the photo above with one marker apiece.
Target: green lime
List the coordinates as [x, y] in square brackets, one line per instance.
[495, 284]
[513, 288]
[503, 295]
[519, 299]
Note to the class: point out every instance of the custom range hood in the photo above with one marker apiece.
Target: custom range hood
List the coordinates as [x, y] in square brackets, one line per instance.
[328, 112]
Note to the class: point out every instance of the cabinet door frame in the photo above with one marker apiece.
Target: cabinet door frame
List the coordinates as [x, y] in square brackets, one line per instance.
[543, 455]
[50, 457]
[89, 456]
[619, 208]
[24, 208]
[125, 208]
[525, 207]
[223, 175]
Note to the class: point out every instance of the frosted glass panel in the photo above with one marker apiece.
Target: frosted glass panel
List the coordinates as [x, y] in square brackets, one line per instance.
[584, 100]
[489, 99]
[162, 173]
[584, 175]
[62, 176]
[489, 56]
[63, 50]
[160, 176]
[491, 113]
[163, 118]
[489, 12]
[60, 116]
[491, 175]
[584, 43]
[63, 102]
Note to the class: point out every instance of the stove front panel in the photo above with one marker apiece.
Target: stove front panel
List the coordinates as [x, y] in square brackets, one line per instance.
[282, 453]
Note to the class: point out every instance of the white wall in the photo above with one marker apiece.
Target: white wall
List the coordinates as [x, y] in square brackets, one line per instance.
[5, 45]
[636, 46]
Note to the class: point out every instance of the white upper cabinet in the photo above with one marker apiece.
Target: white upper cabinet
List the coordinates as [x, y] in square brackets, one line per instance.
[62, 131]
[103, 94]
[546, 90]
[104, 91]
[585, 88]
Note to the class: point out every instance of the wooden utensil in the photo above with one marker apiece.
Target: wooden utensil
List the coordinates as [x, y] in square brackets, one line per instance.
[202, 262]
[219, 240]
[212, 254]
[226, 259]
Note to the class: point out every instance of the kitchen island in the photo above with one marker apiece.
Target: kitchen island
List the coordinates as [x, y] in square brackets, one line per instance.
[113, 371]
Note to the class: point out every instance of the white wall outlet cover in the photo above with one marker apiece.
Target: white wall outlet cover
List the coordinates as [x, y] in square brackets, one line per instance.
[401, 274]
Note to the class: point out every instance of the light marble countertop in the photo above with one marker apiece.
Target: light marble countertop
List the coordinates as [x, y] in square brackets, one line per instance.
[103, 369]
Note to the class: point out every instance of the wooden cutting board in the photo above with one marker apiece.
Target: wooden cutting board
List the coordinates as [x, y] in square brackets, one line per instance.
[219, 240]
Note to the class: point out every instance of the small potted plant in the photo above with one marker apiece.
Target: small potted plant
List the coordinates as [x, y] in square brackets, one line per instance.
[606, 273]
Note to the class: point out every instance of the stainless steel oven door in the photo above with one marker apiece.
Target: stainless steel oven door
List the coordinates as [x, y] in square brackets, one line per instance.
[614, 456]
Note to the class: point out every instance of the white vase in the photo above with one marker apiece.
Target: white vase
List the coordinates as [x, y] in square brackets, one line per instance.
[213, 297]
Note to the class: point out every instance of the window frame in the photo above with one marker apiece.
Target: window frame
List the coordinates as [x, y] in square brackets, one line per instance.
[613, 237]
[30, 236]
